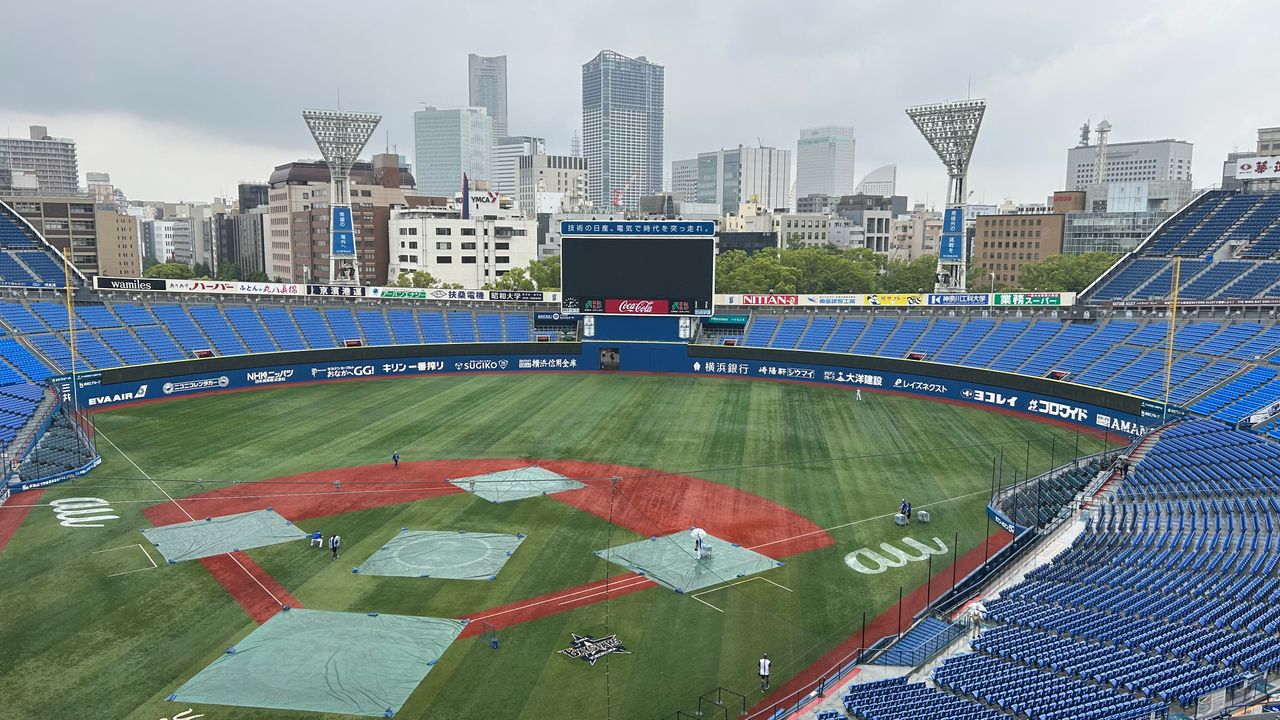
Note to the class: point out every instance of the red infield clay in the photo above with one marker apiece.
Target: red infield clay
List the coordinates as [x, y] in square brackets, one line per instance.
[14, 512]
[885, 624]
[653, 503]
[646, 502]
[256, 591]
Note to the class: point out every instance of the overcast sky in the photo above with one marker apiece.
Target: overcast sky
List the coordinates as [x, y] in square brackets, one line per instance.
[183, 100]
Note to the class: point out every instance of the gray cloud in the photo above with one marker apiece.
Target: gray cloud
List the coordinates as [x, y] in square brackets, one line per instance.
[229, 79]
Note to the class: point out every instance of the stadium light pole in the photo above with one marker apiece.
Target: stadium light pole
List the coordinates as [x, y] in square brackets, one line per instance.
[951, 129]
[341, 136]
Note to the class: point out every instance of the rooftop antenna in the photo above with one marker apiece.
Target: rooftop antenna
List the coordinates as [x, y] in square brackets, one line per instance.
[1084, 134]
[1100, 160]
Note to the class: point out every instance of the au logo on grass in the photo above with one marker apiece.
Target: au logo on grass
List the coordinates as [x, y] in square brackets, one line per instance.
[592, 649]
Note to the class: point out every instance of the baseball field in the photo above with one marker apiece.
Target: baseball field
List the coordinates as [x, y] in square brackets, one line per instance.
[96, 622]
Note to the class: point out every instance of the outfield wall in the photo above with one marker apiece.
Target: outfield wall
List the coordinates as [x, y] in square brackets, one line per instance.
[1097, 410]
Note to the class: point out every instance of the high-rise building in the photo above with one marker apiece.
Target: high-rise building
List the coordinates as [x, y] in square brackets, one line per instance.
[251, 195]
[487, 88]
[298, 224]
[67, 223]
[1004, 244]
[551, 184]
[730, 178]
[39, 165]
[684, 179]
[451, 142]
[622, 128]
[1130, 162]
[824, 161]
[882, 181]
[507, 152]
[471, 252]
[118, 251]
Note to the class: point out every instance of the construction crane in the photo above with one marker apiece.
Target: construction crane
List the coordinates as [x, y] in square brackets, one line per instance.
[619, 193]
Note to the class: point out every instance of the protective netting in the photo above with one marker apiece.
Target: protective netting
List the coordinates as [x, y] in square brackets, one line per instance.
[516, 484]
[671, 561]
[329, 662]
[218, 535]
[456, 555]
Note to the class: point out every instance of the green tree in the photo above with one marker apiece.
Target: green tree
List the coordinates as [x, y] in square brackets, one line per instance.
[827, 270]
[148, 262]
[514, 279]
[202, 270]
[170, 270]
[908, 276]
[229, 271]
[979, 280]
[545, 273]
[257, 277]
[416, 279]
[762, 273]
[1066, 273]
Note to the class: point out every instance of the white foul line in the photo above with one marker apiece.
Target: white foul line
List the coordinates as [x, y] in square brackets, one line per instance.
[234, 559]
[725, 587]
[125, 547]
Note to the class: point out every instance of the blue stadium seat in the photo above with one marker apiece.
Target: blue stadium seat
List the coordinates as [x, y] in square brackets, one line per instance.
[404, 328]
[251, 329]
[374, 326]
[283, 329]
[518, 327]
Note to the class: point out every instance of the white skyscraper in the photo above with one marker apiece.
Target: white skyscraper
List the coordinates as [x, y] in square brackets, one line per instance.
[824, 161]
[487, 88]
[729, 178]
[507, 152]
[622, 116]
[684, 179]
[449, 142]
[39, 164]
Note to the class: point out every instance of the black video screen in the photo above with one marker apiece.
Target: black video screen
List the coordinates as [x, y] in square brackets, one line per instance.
[638, 275]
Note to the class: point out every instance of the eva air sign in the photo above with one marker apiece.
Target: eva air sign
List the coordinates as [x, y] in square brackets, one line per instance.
[1030, 299]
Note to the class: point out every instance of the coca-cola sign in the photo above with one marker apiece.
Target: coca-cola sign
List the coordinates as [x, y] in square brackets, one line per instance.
[637, 307]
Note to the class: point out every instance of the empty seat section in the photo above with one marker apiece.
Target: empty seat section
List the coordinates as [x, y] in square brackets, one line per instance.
[1190, 335]
[22, 319]
[55, 315]
[1103, 341]
[12, 271]
[760, 330]
[43, 266]
[247, 323]
[964, 340]
[874, 336]
[314, 328]
[994, 343]
[816, 335]
[52, 347]
[1053, 352]
[1219, 275]
[462, 326]
[1128, 278]
[489, 327]
[903, 338]
[211, 320]
[1133, 373]
[133, 315]
[127, 346]
[374, 326]
[90, 348]
[22, 359]
[843, 337]
[1107, 365]
[432, 325]
[1259, 346]
[936, 336]
[1198, 382]
[159, 343]
[343, 325]
[789, 332]
[1029, 342]
[283, 329]
[1253, 283]
[181, 327]
[518, 327]
[96, 316]
[1229, 339]
[403, 327]
[1182, 369]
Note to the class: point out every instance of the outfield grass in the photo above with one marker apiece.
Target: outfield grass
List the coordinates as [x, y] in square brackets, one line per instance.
[75, 641]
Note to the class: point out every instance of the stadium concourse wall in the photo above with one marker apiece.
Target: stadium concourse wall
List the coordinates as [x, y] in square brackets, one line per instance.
[1098, 411]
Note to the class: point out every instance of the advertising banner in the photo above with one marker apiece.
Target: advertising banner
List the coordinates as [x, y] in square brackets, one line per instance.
[1258, 168]
[953, 221]
[336, 290]
[896, 299]
[959, 299]
[951, 247]
[1035, 298]
[234, 287]
[763, 299]
[663, 228]
[727, 320]
[101, 282]
[834, 300]
[637, 307]
[343, 232]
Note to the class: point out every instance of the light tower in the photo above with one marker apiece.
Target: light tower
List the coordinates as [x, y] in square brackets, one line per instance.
[951, 129]
[341, 136]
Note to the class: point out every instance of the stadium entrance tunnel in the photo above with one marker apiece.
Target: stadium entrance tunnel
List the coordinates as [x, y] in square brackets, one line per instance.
[1100, 412]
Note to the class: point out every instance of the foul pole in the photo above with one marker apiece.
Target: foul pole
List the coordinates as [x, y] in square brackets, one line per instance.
[1168, 350]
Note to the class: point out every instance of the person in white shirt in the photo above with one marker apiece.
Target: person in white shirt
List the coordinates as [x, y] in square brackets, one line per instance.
[335, 542]
[765, 666]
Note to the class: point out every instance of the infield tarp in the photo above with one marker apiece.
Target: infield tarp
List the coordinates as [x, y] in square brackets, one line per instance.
[451, 555]
[516, 484]
[669, 560]
[223, 534]
[329, 662]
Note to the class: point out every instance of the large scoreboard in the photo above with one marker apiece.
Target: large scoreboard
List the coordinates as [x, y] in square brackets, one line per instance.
[649, 267]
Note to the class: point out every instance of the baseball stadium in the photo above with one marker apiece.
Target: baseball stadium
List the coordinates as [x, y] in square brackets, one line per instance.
[231, 499]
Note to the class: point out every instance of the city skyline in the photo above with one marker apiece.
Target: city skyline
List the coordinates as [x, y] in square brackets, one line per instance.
[1039, 89]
